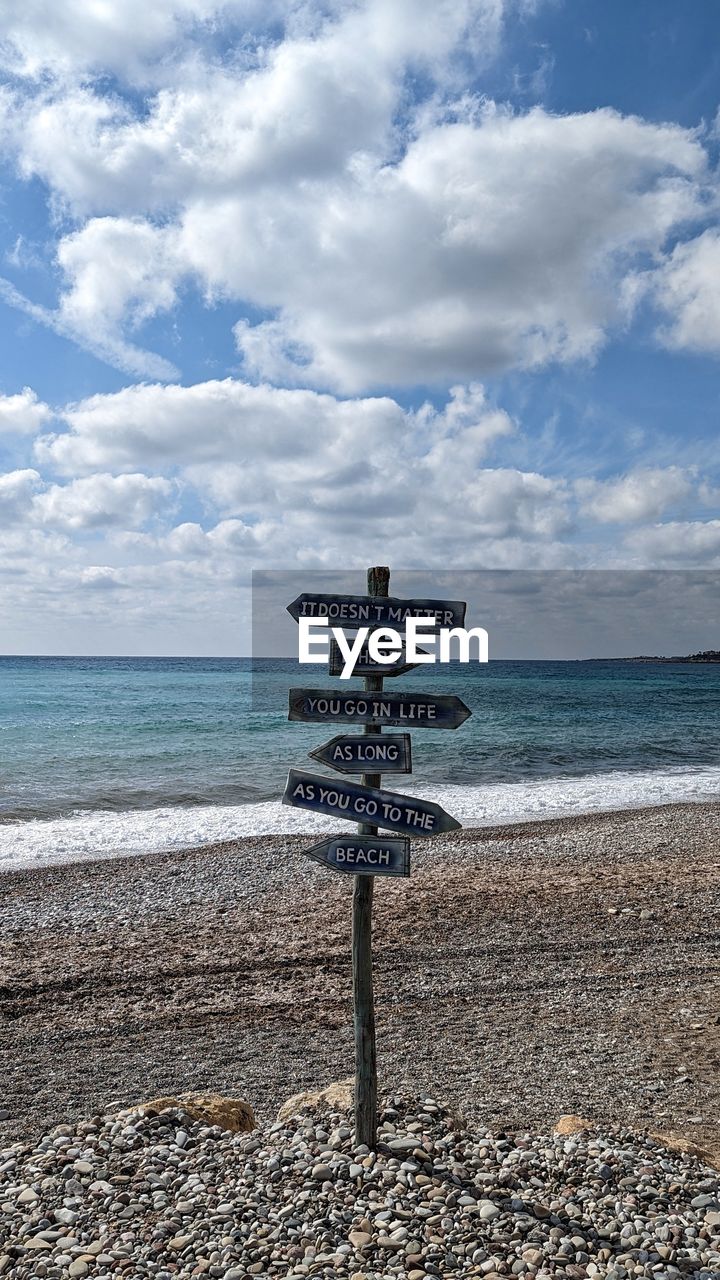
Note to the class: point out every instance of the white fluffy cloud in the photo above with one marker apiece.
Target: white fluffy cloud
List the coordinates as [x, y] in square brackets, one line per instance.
[136, 41]
[31, 554]
[494, 241]
[387, 243]
[287, 477]
[225, 547]
[258, 450]
[290, 476]
[225, 423]
[279, 111]
[298, 111]
[41, 36]
[678, 544]
[23, 414]
[297, 469]
[121, 273]
[103, 501]
[16, 492]
[91, 502]
[94, 332]
[641, 495]
[687, 289]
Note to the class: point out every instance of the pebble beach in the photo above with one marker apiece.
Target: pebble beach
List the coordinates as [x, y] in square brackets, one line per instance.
[522, 973]
[154, 1194]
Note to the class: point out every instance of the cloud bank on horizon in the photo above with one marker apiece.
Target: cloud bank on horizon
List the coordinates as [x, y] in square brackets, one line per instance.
[314, 284]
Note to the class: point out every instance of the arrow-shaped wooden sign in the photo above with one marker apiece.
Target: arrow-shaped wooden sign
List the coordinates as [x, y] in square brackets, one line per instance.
[340, 798]
[374, 611]
[366, 666]
[364, 855]
[371, 753]
[409, 710]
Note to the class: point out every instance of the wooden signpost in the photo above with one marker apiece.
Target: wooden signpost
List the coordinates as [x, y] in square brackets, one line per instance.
[369, 853]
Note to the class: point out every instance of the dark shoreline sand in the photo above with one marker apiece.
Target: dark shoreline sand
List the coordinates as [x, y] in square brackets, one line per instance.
[503, 983]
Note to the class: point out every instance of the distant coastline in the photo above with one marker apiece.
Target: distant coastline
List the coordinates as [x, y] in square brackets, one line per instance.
[707, 655]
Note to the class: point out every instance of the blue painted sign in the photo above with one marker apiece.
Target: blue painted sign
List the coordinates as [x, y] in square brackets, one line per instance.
[364, 855]
[376, 611]
[340, 798]
[369, 753]
[408, 710]
[365, 665]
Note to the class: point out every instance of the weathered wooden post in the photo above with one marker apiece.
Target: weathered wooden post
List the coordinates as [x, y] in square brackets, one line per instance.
[369, 854]
[378, 581]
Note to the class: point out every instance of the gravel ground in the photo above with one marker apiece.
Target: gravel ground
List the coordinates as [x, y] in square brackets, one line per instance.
[157, 1195]
[521, 972]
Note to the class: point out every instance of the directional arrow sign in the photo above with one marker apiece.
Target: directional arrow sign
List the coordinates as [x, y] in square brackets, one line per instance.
[409, 710]
[366, 666]
[342, 799]
[372, 753]
[364, 855]
[374, 611]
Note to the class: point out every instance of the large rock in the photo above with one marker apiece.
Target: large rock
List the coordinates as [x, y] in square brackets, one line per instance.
[338, 1096]
[210, 1108]
[686, 1146]
[569, 1124]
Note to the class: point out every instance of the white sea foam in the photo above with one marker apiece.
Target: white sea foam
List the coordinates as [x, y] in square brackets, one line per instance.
[103, 834]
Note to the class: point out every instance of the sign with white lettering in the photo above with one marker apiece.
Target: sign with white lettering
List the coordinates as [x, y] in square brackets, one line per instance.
[373, 611]
[364, 855]
[371, 753]
[342, 799]
[409, 710]
[365, 665]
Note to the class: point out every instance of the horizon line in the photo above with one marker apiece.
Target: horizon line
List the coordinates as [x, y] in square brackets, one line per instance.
[270, 657]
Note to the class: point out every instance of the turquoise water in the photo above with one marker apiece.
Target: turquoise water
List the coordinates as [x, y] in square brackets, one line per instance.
[122, 741]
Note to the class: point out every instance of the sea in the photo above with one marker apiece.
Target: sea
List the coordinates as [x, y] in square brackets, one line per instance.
[106, 757]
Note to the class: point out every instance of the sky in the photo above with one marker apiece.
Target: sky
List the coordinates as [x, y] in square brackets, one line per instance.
[311, 286]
